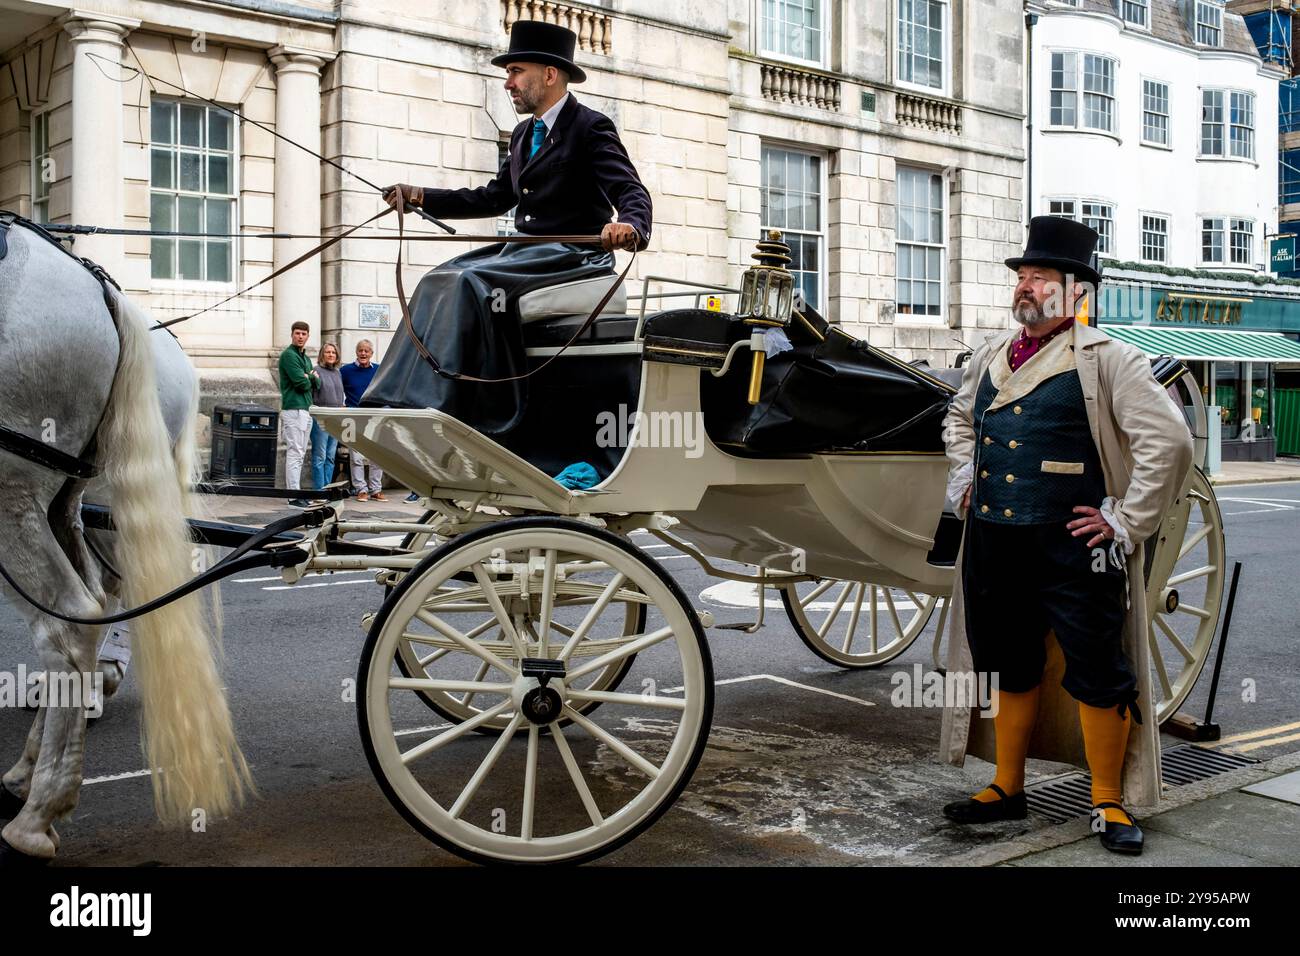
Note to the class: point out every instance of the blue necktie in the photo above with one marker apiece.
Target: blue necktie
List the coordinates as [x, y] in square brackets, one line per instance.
[539, 134]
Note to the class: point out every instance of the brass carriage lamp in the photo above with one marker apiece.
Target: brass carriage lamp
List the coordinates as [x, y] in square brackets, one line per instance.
[766, 300]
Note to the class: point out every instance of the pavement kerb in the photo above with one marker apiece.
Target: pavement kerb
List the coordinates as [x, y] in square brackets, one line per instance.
[1228, 482]
[1076, 830]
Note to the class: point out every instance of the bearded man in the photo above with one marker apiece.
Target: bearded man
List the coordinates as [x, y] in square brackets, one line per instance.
[1065, 454]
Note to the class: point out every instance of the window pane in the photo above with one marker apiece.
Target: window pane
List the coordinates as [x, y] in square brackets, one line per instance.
[219, 175]
[161, 169]
[218, 261]
[162, 122]
[191, 165]
[190, 217]
[191, 125]
[219, 127]
[191, 259]
[218, 217]
[162, 212]
[160, 257]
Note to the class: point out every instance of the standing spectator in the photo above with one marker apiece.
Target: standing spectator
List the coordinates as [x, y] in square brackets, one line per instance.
[328, 395]
[297, 379]
[356, 379]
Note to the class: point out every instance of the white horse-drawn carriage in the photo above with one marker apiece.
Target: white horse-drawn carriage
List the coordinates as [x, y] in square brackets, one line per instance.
[517, 607]
[566, 673]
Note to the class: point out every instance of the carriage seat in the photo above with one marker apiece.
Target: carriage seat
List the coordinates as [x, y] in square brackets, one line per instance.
[571, 298]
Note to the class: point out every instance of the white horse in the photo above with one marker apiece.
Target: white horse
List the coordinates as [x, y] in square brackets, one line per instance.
[91, 390]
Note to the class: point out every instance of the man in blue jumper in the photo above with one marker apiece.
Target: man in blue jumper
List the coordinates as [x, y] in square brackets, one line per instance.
[356, 379]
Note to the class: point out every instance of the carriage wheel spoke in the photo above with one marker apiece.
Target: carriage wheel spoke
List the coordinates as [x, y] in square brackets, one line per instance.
[815, 593]
[835, 611]
[494, 602]
[631, 700]
[1174, 638]
[530, 784]
[596, 611]
[632, 647]
[478, 650]
[485, 767]
[1159, 660]
[1193, 610]
[875, 616]
[1191, 575]
[853, 619]
[613, 743]
[482, 672]
[893, 613]
[459, 730]
[447, 686]
[575, 774]
[548, 596]
[1192, 542]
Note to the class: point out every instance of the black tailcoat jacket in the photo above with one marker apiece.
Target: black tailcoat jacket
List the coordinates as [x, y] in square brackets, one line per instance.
[570, 187]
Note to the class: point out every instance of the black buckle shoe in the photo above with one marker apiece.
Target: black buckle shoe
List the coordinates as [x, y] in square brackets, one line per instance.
[1119, 837]
[971, 810]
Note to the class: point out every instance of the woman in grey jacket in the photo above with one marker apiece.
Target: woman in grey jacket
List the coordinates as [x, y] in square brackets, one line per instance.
[329, 395]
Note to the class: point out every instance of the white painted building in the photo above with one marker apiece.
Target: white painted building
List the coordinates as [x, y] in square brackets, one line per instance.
[1163, 142]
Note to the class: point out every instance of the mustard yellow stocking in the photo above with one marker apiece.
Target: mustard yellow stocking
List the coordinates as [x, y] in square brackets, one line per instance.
[1013, 725]
[1105, 739]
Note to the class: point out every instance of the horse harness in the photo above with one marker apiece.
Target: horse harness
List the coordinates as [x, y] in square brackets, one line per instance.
[24, 446]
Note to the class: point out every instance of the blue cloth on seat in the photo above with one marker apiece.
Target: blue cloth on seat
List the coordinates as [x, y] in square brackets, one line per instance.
[578, 476]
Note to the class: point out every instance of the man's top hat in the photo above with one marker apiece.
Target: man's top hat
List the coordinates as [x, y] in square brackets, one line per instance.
[532, 41]
[1062, 244]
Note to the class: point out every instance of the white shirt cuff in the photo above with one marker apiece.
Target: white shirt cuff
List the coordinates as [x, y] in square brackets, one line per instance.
[1121, 533]
[958, 482]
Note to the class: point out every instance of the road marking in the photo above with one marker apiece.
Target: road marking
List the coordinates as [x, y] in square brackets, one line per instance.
[325, 584]
[421, 730]
[112, 777]
[1269, 742]
[276, 577]
[780, 680]
[1253, 734]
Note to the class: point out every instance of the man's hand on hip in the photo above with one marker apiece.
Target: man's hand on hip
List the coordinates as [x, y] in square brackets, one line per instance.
[1091, 523]
[407, 193]
[619, 235]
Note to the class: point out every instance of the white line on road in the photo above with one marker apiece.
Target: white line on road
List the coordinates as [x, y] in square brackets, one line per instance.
[276, 577]
[779, 680]
[323, 584]
[112, 777]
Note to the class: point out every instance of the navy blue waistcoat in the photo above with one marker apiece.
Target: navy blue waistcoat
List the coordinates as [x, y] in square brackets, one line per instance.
[1035, 458]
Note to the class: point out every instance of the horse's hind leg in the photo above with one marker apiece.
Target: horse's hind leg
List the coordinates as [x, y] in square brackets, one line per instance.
[67, 652]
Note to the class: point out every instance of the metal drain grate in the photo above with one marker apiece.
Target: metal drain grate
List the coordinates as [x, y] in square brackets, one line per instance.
[1067, 797]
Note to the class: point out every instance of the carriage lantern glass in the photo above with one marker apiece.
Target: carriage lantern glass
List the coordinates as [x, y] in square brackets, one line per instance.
[767, 288]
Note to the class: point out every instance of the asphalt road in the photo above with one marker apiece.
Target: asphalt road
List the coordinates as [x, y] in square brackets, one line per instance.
[806, 763]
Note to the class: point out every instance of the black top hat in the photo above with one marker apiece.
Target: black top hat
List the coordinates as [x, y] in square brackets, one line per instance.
[532, 41]
[1062, 244]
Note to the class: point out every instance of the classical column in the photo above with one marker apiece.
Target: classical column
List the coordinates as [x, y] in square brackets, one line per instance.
[97, 185]
[297, 293]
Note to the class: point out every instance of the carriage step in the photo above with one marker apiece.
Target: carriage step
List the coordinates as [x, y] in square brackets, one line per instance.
[1070, 796]
[542, 668]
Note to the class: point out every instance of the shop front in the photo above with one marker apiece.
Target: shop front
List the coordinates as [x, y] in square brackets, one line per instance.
[1242, 346]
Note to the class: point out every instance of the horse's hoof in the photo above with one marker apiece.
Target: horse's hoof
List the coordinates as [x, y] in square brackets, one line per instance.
[10, 803]
[11, 859]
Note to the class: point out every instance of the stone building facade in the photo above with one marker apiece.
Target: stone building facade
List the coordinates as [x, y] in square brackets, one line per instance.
[885, 138]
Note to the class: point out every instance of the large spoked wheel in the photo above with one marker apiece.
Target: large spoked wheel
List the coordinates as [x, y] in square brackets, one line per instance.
[537, 792]
[1184, 575]
[858, 624]
[435, 656]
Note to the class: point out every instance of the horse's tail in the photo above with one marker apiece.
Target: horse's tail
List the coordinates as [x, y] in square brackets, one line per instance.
[188, 735]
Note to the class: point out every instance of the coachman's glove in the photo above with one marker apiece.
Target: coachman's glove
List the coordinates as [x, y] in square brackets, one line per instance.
[414, 195]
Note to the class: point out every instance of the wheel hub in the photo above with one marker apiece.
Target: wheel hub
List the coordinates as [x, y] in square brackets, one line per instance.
[1171, 600]
[538, 691]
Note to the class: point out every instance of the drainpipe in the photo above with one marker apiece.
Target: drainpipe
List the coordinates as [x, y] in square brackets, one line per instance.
[1030, 20]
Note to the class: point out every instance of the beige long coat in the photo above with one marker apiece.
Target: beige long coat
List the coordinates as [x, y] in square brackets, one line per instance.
[1146, 455]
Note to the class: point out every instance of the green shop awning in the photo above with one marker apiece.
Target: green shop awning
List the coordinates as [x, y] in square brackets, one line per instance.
[1208, 345]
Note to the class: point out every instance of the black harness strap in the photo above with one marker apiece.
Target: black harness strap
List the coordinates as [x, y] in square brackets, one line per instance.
[47, 456]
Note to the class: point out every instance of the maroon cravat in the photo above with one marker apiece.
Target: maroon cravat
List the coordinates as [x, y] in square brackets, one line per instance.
[1023, 348]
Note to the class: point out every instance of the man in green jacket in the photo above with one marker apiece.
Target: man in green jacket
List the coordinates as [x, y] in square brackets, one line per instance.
[297, 380]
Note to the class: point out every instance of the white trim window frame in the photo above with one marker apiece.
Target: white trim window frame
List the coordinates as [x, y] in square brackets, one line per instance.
[1241, 243]
[1227, 124]
[1136, 13]
[1081, 88]
[1241, 124]
[1153, 244]
[784, 204]
[506, 221]
[914, 45]
[776, 31]
[1208, 21]
[1099, 215]
[194, 159]
[41, 162]
[1155, 113]
[921, 246]
[1063, 206]
[1214, 241]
